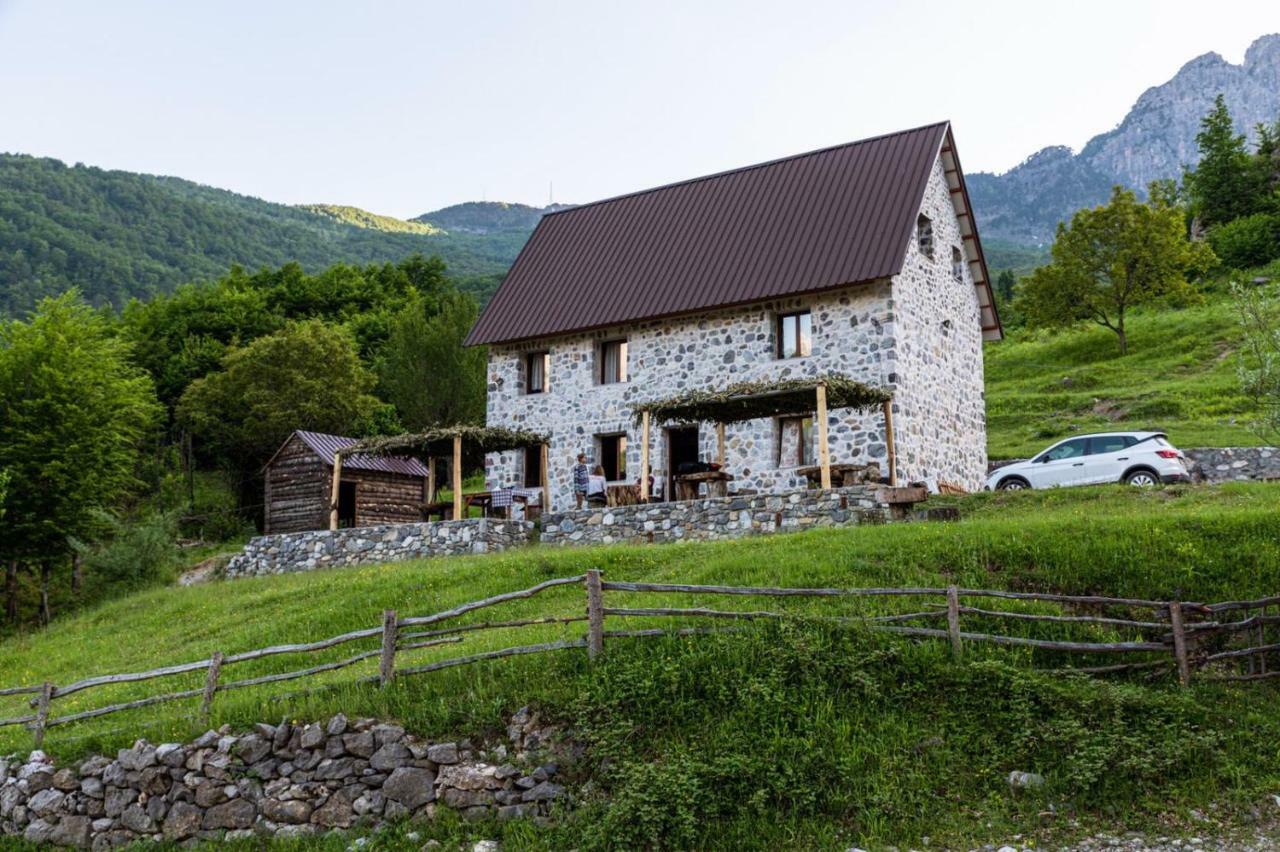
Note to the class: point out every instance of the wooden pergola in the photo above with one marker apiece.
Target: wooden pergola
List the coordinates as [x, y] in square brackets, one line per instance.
[440, 443]
[756, 400]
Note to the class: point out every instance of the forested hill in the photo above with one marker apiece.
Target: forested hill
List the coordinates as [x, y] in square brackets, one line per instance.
[117, 235]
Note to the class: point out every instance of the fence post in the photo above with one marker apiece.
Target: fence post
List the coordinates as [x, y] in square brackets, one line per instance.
[953, 620]
[1179, 642]
[595, 615]
[42, 712]
[210, 685]
[390, 633]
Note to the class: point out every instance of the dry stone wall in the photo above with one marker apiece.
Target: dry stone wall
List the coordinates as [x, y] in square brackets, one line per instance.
[284, 780]
[289, 552]
[716, 518]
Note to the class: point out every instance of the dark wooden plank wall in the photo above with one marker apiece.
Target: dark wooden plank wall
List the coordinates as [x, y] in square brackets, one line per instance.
[386, 498]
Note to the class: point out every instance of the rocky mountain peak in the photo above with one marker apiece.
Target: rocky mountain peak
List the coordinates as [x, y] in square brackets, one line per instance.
[1264, 52]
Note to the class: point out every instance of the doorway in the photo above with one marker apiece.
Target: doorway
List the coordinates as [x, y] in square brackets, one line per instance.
[346, 504]
[682, 448]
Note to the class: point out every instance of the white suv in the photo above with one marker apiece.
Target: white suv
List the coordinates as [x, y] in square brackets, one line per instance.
[1137, 458]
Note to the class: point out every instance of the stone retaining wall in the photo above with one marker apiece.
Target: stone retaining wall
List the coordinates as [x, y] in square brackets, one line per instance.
[1217, 464]
[282, 554]
[716, 518]
[283, 780]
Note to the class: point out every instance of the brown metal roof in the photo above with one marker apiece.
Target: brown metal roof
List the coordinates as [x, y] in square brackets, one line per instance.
[326, 446]
[811, 222]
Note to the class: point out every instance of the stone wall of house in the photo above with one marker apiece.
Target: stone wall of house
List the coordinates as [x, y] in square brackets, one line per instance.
[281, 780]
[714, 519]
[940, 430]
[303, 551]
[1218, 464]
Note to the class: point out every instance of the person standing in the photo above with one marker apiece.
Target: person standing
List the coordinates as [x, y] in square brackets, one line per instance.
[581, 479]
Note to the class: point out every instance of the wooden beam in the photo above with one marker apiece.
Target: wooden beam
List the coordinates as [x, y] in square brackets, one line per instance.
[546, 477]
[333, 491]
[456, 474]
[888, 442]
[433, 485]
[644, 457]
[824, 453]
[720, 444]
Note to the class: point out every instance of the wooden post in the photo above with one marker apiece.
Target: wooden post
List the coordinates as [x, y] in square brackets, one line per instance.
[433, 485]
[888, 442]
[1179, 643]
[210, 685]
[595, 615]
[824, 454]
[456, 473]
[720, 444]
[42, 712]
[546, 477]
[953, 620]
[333, 491]
[644, 457]
[390, 633]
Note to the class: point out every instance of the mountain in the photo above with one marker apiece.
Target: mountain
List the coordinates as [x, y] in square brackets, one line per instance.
[118, 235]
[1155, 140]
[487, 217]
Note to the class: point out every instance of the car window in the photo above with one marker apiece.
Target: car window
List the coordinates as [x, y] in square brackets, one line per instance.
[1109, 443]
[1068, 450]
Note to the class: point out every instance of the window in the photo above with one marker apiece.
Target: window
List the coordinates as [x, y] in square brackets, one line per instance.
[613, 362]
[613, 457]
[533, 467]
[1067, 450]
[795, 441]
[1110, 443]
[957, 264]
[537, 366]
[795, 335]
[924, 235]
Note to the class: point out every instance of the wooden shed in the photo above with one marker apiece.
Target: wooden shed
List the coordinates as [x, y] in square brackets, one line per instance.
[372, 490]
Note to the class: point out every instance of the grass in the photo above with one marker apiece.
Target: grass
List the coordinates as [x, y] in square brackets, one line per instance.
[1179, 376]
[793, 735]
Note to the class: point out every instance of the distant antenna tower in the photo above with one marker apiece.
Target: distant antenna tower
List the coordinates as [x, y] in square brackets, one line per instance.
[551, 193]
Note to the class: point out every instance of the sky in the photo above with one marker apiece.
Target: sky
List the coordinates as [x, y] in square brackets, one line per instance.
[405, 107]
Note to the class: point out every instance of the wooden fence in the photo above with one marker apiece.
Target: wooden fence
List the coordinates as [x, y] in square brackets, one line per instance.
[1189, 638]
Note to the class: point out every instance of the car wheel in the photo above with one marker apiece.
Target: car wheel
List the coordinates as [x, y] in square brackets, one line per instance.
[1013, 483]
[1141, 478]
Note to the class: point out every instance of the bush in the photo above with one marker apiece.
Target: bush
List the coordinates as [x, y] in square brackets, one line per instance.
[136, 553]
[1248, 241]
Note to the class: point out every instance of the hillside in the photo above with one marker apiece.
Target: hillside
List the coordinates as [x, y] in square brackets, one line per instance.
[1180, 376]
[487, 217]
[118, 235]
[752, 740]
[1155, 140]
[348, 215]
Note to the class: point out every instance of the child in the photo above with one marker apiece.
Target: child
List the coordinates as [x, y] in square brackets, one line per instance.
[581, 477]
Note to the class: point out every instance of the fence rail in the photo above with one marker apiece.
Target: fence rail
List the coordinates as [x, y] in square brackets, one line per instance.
[1187, 637]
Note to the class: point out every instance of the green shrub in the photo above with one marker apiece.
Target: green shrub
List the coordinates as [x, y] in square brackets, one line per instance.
[134, 554]
[1247, 242]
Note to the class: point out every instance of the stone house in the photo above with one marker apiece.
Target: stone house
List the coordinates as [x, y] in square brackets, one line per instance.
[861, 259]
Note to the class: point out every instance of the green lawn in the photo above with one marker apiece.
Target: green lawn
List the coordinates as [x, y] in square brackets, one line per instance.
[785, 735]
[1179, 376]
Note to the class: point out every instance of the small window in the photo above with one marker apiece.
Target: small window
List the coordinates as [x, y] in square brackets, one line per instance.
[795, 335]
[957, 264]
[795, 442]
[537, 366]
[613, 457]
[613, 362]
[924, 235]
[533, 467]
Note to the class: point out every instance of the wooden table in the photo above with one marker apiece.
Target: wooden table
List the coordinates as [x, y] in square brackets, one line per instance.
[688, 484]
[844, 474]
[483, 499]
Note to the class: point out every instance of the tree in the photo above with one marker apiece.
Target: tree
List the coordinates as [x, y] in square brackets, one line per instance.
[426, 372]
[1110, 259]
[73, 414]
[1227, 183]
[1259, 365]
[305, 376]
[1005, 283]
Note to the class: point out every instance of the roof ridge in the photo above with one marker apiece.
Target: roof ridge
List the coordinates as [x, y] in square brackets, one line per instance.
[746, 168]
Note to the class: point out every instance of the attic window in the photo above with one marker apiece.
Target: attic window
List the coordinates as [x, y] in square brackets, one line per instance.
[957, 264]
[924, 235]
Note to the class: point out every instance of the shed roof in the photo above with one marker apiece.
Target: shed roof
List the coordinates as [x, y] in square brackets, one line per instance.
[326, 446]
[828, 218]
